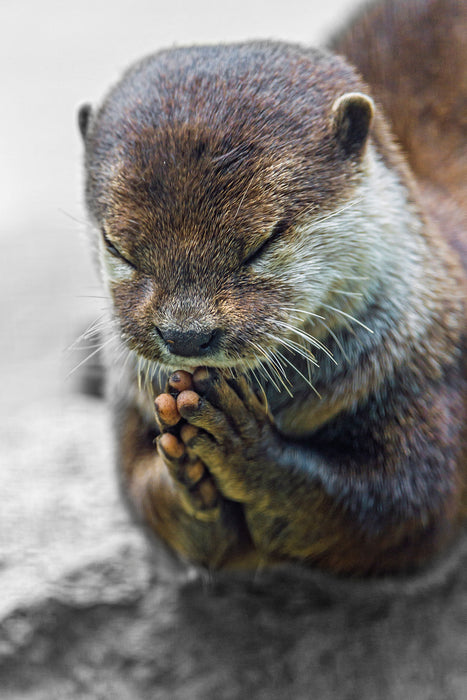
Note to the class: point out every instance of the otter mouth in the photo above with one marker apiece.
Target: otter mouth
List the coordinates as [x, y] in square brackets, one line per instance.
[279, 373]
[172, 362]
[189, 364]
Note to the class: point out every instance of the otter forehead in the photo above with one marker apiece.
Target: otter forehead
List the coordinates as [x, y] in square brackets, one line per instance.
[256, 85]
[193, 126]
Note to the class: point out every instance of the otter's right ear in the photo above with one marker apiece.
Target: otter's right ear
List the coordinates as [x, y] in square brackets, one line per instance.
[352, 115]
[84, 116]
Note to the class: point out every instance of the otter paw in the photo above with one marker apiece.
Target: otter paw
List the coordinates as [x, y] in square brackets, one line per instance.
[197, 490]
[227, 426]
[167, 415]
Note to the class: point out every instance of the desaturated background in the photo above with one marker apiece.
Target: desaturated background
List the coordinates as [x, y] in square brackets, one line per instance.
[54, 56]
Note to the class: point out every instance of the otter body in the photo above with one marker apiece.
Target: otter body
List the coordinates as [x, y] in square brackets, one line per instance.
[286, 343]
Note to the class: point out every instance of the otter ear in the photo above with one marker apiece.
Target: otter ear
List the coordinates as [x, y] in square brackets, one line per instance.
[352, 115]
[84, 116]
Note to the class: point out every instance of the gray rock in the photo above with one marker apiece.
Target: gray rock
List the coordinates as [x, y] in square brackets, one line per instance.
[89, 611]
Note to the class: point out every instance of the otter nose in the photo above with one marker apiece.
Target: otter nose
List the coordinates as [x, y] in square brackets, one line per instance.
[190, 343]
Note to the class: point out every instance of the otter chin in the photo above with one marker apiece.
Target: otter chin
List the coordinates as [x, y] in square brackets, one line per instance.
[287, 297]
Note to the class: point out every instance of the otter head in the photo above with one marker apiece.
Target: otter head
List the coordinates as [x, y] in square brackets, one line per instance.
[214, 176]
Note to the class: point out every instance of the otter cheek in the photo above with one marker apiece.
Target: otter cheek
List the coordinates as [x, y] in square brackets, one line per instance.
[134, 304]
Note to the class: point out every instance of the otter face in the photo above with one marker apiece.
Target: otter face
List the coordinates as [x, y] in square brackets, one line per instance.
[213, 177]
[186, 280]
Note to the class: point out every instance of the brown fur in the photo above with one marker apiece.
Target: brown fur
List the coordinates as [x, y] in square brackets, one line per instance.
[414, 56]
[201, 163]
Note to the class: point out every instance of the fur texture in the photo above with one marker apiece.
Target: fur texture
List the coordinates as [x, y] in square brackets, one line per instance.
[251, 201]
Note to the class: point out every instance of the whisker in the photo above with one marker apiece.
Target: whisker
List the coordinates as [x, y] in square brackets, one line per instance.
[349, 316]
[300, 319]
[347, 294]
[140, 359]
[294, 347]
[331, 215]
[336, 340]
[104, 326]
[91, 346]
[309, 364]
[156, 377]
[266, 376]
[81, 222]
[356, 279]
[101, 321]
[276, 365]
[297, 348]
[91, 296]
[244, 194]
[309, 338]
[299, 372]
[302, 311]
[88, 357]
[264, 395]
[146, 374]
[264, 369]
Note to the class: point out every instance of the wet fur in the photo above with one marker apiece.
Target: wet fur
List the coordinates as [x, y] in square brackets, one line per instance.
[198, 156]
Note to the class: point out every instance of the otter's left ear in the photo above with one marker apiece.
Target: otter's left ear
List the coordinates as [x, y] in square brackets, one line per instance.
[352, 115]
[84, 116]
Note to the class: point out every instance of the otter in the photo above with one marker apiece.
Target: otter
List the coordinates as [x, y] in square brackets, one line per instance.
[281, 234]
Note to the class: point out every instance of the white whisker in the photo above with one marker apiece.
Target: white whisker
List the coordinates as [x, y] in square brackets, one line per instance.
[349, 316]
[294, 347]
[309, 338]
[290, 363]
[140, 360]
[347, 294]
[336, 340]
[88, 357]
[327, 217]
[302, 311]
[264, 369]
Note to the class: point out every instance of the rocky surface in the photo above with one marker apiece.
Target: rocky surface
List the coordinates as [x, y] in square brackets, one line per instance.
[89, 611]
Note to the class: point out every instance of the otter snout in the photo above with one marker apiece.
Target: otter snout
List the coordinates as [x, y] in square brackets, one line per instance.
[191, 342]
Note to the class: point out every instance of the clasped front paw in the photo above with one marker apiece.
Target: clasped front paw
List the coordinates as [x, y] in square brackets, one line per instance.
[227, 427]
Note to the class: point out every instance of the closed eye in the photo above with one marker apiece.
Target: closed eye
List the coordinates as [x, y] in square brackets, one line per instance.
[113, 250]
[276, 232]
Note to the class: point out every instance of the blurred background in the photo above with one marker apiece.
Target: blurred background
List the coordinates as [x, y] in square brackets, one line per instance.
[54, 56]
